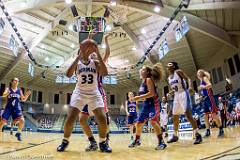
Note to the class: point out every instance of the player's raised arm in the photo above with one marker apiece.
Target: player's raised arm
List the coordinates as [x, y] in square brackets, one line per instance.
[101, 67]
[107, 50]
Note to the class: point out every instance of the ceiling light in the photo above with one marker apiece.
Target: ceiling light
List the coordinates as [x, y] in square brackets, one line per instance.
[126, 61]
[70, 27]
[68, 1]
[157, 9]
[113, 3]
[42, 46]
[46, 59]
[72, 45]
[103, 46]
[143, 31]
[134, 48]
[108, 27]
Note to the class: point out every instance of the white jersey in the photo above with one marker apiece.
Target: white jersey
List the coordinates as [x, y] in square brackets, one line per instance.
[87, 77]
[164, 108]
[177, 83]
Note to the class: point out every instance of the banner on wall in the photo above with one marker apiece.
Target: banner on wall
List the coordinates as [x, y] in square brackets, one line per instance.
[2, 24]
[185, 131]
[163, 49]
[65, 80]
[110, 79]
[181, 29]
[13, 45]
[31, 69]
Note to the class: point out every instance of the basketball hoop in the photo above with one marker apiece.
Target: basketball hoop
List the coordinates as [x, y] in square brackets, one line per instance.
[119, 14]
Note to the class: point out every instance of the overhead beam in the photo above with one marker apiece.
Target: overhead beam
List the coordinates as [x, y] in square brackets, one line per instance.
[213, 6]
[194, 21]
[12, 66]
[89, 8]
[195, 67]
[140, 46]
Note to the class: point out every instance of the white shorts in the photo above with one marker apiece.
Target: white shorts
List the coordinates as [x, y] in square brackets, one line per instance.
[79, 100]
[163, 119]
[181, 103]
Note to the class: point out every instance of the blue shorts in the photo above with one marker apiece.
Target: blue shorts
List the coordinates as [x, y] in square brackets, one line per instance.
[132, 119]
[15, 112]
[148, 112]
[209, 105]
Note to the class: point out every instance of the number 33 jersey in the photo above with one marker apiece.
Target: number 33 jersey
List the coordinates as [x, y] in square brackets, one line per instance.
[87, 77]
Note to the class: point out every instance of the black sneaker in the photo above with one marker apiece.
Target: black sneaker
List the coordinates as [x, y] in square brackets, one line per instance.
[207, 134]
[19, 136]
[198, 139]
[104, 147]
[92, 147]
[11, 132]
[134, 144]
[166, 135]
[173, 139]
[161, 146]
[221, 133]
[63, 146]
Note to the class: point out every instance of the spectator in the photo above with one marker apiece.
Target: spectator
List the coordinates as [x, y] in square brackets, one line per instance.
[222, 108]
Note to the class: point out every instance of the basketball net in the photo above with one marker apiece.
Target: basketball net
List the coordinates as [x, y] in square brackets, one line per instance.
[119, 13]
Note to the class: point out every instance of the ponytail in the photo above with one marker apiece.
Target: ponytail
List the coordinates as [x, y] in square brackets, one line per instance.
[157, 73]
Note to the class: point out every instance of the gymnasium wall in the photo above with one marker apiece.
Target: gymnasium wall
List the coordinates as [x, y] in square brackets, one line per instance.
[220, 60]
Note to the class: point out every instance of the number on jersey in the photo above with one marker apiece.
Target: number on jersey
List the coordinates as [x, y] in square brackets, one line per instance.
[87, 79]
[131, 109]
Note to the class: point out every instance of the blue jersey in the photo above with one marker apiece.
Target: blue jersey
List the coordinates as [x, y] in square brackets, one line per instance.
[204, 91]
[13, 98]
[132, 108]
[144, 89]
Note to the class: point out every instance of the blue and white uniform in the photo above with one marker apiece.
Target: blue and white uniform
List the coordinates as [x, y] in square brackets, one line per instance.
[182, 100]
[132, 110]
[13, 106]
[86, 93]
[164, 114]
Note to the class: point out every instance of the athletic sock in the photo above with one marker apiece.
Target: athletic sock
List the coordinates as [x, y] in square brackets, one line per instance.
[19, 130]
[175, 133]
[107, 136]
[159, 138]
[102, 140]
[67, 139]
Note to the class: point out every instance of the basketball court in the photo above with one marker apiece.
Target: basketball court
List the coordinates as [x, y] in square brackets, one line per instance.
[43, 146]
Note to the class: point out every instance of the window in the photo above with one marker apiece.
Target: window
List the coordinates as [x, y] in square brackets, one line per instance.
[112, 99]
[237, 62]
[220, 74]
[69, 98]
[56, 98]
[39, 97]
[214, 75]
[2, 89]
[231, 66]
[34, 96]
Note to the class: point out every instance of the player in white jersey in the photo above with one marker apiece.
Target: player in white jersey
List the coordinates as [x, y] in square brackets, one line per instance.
[164, 115]
[181, 85]
[86, 93]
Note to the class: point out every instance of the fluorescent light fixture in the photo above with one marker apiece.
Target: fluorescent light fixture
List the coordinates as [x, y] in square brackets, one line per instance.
[157, 9]
[68, 1]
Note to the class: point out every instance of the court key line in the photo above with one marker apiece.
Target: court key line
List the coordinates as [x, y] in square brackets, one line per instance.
[215, 155]
[20, 149]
